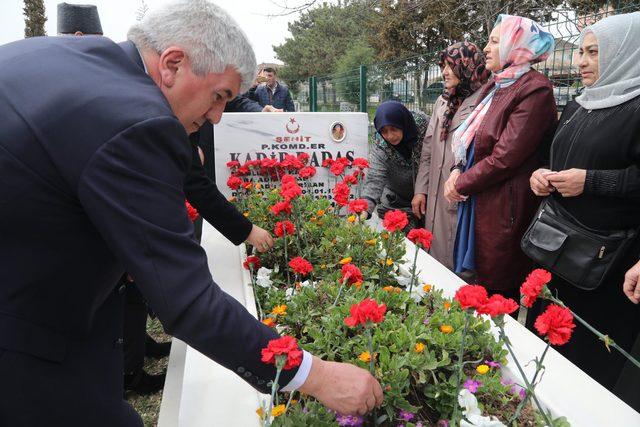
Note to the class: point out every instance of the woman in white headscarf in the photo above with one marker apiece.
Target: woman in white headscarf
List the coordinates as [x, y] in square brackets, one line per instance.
[594, 175]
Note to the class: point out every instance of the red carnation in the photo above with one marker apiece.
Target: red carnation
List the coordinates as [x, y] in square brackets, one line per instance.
[365, 311]
[283, 227]
[351, 273]
[301, 266]
[280, 348]
[421, 236]
[291, 162]
[337, 168]
[243, 170]
[281, 208]
[395, 220]
[234, 182]
[191, 211]
[556, 323]
[471, 296]
[307, 172]
[532, 286]
[341, 193]
[304, 158]
[252, 261]
[360, 163]
[288, 179]
[252, 163]
[498, 305]
[268, 163]
[233, 164]
[350, 179]
[290, 191]
[327, 162]
[358, 206]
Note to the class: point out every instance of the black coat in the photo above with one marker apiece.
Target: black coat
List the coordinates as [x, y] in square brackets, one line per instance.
[92, 168]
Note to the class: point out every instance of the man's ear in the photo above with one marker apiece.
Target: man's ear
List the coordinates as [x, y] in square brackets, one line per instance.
[171, 62]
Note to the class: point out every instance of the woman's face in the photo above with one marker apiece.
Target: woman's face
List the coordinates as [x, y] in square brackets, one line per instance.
[450, 79]
[588, 60]
[391, 134]
[492, 50]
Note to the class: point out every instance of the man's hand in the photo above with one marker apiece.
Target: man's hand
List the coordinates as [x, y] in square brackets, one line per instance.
[631, 285]
[260, 239]
[419, 205]
[539, 183]
[450, 192]
[569, 183]
[342, 387]
[271, 109]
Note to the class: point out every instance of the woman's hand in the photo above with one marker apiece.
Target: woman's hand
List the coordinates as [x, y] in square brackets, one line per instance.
[569, 183]
[539, 183]
[450, 192]
[631, 285]
[419, 205]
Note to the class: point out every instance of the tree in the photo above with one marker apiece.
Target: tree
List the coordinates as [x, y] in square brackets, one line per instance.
[34, 18]
[347, 76]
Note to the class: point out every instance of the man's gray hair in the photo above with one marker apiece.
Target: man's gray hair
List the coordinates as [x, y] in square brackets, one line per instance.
[210, 37]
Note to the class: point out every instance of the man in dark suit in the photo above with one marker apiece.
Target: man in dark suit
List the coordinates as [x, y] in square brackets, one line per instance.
[93, 157]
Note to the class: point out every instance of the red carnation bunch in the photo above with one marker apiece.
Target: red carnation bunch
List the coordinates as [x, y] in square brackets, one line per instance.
[233, 164]
[307, 172]
[284, 227]
[556, 323]
[281, 208]
[364, 312]
[351, 274]
[350, 180]
[304, 158]
[327, 162]
[191, 211]
[395, 220]
[341, 193]
[497, 305]
[533, 285]
[339, 165]
[234, 182]
[291, 162]
[358, 206]
[360, 163]
[421, 237]
[301, 266]
[252, 261]
[290, 188]
[471, 296]
[283, 348]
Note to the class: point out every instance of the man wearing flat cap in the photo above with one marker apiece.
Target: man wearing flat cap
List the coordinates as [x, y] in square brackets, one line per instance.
[93, 158]
[78, 19]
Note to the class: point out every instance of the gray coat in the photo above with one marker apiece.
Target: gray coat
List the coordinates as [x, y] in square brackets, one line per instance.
[436, 162]
[389, 184]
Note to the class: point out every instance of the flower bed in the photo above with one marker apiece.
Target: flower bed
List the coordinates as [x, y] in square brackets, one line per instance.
[329, 273]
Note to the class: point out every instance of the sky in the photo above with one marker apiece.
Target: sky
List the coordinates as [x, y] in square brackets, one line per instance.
[117, 15]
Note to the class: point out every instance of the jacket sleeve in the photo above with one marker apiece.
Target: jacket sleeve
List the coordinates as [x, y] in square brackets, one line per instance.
[616, 183]
[131, 189]
[242, 104]
[422, 177]
[376, 180]
[521, 139]
[204, 195]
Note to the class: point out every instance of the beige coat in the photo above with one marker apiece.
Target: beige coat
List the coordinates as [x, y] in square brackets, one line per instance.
[436, 162]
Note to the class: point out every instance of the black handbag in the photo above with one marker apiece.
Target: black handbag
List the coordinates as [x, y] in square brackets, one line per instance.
[578, 254]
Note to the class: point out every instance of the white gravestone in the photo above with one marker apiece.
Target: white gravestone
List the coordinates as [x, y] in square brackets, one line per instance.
[250, 136]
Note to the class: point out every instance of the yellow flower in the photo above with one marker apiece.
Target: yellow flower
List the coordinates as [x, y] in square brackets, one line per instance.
[232, 199]
[246, 214]
[388, 288]
[269, 321]
[397, 290]
[365, 356]
[371, 242]
[419, 347]
[346, 260]
[278, 410]
[314, 219]
[446, 329]
[389, 261]
[294, 401]
[260, 412]
[482, 369]
[320, 212]
[426, 288]
[323, 266]
[385, 235]
[249, 185]
[352, 218]
[279, 310]
[357, 285]
[258, 185]
[275, 190]
[447, 305]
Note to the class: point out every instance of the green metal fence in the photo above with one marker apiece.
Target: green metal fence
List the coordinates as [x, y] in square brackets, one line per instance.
[417, 82]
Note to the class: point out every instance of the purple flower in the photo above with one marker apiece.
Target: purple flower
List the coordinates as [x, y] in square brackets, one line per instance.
[493, 364]
[505, 381]
[472, 385]
[426, 321]
[406, 416]
[419, 424]
[443, 423]
[349, 420]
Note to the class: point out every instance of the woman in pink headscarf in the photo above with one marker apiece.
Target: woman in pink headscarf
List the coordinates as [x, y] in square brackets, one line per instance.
[496, 149]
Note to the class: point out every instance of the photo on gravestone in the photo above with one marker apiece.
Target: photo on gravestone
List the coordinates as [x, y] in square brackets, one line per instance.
[244, 137]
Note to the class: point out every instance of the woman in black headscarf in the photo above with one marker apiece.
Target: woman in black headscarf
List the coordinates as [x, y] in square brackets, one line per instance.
[394, 159]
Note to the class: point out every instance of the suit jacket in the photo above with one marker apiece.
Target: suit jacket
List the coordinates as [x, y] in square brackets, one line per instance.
[280, 99]
[92, 164]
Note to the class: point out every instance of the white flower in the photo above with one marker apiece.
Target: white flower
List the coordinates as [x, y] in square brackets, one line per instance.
[289, 292]
[263, 277]
[471, 412]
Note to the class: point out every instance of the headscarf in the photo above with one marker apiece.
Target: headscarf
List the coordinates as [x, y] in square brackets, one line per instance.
[394, 113]
[618, 60]
[468, 64]
[522, 43]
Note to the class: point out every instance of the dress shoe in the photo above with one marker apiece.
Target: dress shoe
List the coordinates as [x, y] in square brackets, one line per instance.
[142, 383]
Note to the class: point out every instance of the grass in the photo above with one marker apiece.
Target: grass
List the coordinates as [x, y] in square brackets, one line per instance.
[149, 406]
